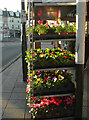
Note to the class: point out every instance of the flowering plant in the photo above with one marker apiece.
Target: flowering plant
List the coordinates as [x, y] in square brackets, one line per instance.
[50, 58]
[50, 82]
[48, 107]
[34, 30]
[60, 29]
[41, 29]
[71, 28]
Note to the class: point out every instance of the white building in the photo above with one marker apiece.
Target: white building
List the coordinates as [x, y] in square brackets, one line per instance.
[1, 25]
[10, 24]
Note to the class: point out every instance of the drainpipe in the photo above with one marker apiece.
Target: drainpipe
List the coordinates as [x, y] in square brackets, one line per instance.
[80, 56]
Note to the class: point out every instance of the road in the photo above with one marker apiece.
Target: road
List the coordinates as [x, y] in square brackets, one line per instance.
[10, 50]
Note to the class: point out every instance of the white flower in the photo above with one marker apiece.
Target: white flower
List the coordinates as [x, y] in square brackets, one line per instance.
[33, 117]
[31, 109]
[55, 79]
[35, 76]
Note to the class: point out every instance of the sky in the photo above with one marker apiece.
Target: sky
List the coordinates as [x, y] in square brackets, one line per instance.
[11, 5]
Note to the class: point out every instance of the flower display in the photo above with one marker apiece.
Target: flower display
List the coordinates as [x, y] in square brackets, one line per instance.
[49, 107]
[50, 82]
[45, 28]
[49, 58]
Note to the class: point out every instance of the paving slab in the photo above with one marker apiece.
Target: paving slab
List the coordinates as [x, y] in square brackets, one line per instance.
[18, 96]
[16, 104]
[13, 113]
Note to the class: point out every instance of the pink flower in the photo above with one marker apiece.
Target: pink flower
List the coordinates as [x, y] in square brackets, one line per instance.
[51, 53]
[31, 105]
[52, 109]
[39, 75]
[42, 103]
[28, 80]
[27, 90]
[65, 107]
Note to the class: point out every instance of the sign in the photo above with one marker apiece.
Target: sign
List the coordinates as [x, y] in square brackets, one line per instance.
[23, 16]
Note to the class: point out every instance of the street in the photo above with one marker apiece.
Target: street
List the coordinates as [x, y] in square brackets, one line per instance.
[10, 50]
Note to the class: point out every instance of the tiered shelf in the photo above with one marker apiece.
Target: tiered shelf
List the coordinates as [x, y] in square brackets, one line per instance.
[66, 37]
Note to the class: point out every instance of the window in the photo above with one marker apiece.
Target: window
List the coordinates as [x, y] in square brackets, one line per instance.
[11, 13]
[18, 27]
[12, 20]
[17, 14]
[12, 26]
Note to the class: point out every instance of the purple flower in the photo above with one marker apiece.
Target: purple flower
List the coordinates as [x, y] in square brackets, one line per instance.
[66, 71]
[39, 75]
[54, 78]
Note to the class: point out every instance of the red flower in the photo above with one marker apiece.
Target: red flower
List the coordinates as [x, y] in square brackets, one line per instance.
[57, 22]
[45, 81]
[45, 78]
[39, 72]
[64, 56]
[65, 107]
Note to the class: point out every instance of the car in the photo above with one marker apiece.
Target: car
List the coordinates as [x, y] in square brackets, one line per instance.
[7, 36]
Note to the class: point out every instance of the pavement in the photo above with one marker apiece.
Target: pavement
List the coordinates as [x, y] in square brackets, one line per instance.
[14, 93]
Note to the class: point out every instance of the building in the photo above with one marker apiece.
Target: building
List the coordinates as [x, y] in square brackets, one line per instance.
[1, 24]
[14, 23]
[10, 24]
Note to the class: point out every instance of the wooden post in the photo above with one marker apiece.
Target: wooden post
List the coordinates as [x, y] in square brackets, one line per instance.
[80, 56]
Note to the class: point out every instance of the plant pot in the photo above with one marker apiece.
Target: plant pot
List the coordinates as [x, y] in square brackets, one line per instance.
[72, 33]
[63, 33]
[63, 89]
[52, 65]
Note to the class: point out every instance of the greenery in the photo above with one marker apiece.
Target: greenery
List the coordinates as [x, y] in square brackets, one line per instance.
[50, 57]
[41, 29]
[71, 28]
[34, 30]
[49, 79]
[46, 29]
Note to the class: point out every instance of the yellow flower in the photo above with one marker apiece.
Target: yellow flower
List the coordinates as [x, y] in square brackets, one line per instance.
[55, 56]
[56, 72]
[48, 49]
[38, 79]
[41, 55]
[33, 58]
[59, 76]
[50, 56]
[61, 53]
[63, 25]
[59, 20]
[33, 73]
[45, 73]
